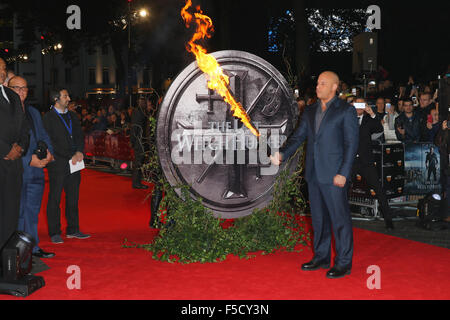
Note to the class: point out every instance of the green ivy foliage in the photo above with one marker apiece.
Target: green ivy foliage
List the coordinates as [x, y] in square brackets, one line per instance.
[191, 233]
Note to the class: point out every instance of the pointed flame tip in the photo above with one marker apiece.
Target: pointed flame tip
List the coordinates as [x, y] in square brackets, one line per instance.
[208, 64]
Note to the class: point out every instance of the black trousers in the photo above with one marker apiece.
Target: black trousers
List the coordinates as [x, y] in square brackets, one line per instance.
[58, 181]
[431, 170]
[139, 155]
[10, 189]
[370, 174]
[330, 212]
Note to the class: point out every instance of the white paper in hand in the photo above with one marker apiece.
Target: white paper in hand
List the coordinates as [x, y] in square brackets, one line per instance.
[77, 166]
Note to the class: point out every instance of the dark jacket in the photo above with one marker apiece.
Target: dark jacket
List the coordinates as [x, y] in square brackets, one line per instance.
[139, 123]
[37, 133]
[64, 146]
[332, 150]
[442, 140]
[368, 127]
[13, 124]
[411, 125]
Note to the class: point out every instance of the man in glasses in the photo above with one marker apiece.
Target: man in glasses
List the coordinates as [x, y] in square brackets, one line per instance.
[34, 161]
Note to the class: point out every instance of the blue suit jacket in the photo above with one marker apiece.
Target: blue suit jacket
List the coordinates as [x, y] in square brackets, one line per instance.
[29, 172]
[332, 150]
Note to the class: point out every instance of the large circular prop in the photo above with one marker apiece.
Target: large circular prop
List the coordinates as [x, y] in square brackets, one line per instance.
[202, 145]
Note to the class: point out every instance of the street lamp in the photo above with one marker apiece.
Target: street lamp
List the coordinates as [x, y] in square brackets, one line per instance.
[142, 13]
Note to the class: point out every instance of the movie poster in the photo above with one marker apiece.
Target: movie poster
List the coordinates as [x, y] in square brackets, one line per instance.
[422, 168]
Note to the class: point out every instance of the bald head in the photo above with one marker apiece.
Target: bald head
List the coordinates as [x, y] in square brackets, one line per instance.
[19, 85]
[327, 85]
[331, 76]
[17, 81]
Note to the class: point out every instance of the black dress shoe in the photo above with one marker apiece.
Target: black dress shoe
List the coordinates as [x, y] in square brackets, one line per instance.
[142, 186]
[389, 224]
[337, 272]
[314, 265]
[42, 254]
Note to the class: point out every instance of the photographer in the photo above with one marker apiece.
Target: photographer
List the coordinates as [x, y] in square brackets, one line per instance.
[442, 140]
[364, 161]
[388, 123]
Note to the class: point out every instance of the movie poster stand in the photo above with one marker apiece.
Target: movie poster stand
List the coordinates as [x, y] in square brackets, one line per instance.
[407, 172]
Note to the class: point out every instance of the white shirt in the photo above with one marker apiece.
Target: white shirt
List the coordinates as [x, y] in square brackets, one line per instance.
[4, 93]
[360, 119]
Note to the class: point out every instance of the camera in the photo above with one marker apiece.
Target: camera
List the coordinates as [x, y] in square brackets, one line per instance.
[41, 150]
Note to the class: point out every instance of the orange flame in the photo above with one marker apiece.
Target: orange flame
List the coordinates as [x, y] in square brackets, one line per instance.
[218, 81]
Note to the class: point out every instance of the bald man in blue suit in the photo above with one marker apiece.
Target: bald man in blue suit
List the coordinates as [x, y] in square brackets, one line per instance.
[33, 182]
[331, 129]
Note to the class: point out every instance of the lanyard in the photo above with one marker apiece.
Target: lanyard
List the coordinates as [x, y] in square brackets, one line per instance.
[68, 127]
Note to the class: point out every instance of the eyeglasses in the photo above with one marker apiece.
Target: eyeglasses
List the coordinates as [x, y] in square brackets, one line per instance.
[19, 88]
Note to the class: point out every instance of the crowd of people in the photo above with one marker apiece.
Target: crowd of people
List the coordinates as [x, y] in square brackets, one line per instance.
[408, 113]
[102, 118]
[31, 141]
[339, 127]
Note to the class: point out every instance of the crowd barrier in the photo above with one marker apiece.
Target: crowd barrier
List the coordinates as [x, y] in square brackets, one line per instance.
[100, 146]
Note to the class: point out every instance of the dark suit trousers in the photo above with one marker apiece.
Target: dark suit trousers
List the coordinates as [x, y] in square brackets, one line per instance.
[10, 187]
[330, 211]
[70, 183]
[136, 174]
[370, 174]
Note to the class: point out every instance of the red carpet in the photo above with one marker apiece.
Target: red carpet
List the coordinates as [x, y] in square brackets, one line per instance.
[111, 211]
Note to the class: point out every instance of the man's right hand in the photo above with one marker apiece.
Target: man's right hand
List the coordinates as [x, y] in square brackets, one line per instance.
[37, 163]
[276, 158]
[402, 131]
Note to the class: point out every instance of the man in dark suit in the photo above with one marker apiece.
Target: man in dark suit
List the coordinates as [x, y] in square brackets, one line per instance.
[138, 140]
[14, 140]
[64, 130]
[330, 126]
[33, 181]
[369, 124]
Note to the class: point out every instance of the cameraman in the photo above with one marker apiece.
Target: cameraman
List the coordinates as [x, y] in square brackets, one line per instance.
[442, 140]
[33, 180]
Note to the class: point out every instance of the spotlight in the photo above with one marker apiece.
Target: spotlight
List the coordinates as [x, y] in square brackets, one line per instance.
[17, 258]
[124, 166]
[430, 211]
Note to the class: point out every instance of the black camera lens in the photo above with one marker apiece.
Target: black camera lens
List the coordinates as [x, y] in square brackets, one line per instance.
[41, 150]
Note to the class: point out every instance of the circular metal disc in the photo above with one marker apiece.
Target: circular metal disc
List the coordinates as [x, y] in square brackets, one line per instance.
[229, 190]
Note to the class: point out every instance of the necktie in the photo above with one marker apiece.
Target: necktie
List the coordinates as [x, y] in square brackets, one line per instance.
[359, 120]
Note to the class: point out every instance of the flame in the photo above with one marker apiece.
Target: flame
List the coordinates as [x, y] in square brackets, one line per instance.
[218, 81]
